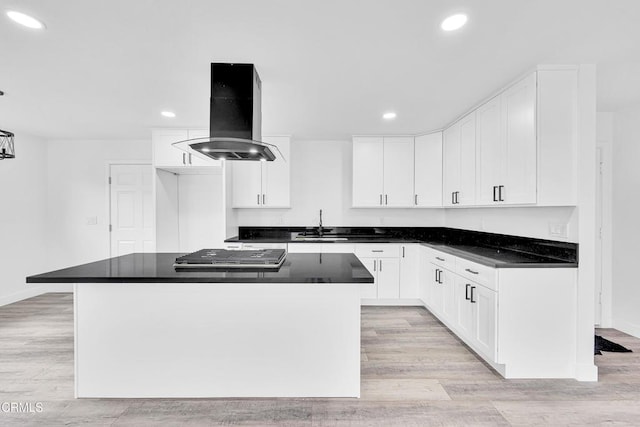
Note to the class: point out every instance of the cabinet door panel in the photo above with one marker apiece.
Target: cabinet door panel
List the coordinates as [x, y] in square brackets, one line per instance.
[398, 171]
[275, 176]
[409, 271]
[467, 195]
[246, 184]
[367, 289]
[451, 163]
[388, 278]
[428, 170]
[489, 151]
[465, 320]
[485, 319]
[165, 154]
[368, 164]
[519, 169]
[436, 294]
[449, 307]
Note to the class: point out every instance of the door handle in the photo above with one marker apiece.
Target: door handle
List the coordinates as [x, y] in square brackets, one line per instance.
[466, 291]
[500, 188]
[495, 197]
[472, 300]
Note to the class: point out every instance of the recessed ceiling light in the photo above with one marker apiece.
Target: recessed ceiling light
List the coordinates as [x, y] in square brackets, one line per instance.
[253, 151]
[454, 22]
[26, 20]
[168, 114]
[389, 116]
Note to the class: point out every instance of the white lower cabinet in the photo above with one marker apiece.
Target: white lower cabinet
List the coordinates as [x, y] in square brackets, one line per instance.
[388, 278]
[409, 271]
[506, 315]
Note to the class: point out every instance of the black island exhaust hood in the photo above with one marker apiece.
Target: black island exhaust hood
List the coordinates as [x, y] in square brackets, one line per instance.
[235, 117]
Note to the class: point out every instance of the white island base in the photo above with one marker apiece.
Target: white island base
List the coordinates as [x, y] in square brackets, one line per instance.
[191, 340]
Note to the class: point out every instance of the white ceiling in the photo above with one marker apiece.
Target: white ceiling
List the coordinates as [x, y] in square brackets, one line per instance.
[105, 69]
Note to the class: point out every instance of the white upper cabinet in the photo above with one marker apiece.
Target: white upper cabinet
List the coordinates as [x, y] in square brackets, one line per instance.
[165, 154]
[398, 171]
[506, 146]
[383, 172]
[368, 164]
[195, 160]
[460, 162]
[518, 181]
[428, 170]
[257, 184]
[489, 152]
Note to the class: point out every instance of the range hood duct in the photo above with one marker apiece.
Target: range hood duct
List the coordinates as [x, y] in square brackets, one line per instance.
[235, 117]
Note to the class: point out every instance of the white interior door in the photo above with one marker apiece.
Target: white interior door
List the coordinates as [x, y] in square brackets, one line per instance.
[131, 205]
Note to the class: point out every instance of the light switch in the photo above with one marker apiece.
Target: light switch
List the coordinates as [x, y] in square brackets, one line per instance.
[92, 220]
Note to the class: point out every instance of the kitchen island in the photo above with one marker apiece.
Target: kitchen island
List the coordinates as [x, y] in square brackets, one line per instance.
[143, 329]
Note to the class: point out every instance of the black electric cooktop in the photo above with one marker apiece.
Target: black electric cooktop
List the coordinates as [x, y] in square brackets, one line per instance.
[222, 258]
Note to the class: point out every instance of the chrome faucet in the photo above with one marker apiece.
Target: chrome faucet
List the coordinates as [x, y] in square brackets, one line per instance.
[320, 231]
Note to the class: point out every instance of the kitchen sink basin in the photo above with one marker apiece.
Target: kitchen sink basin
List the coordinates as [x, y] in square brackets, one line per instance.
[320, 238]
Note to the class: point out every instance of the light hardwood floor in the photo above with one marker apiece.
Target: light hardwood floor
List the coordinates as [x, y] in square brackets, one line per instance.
[414, 373]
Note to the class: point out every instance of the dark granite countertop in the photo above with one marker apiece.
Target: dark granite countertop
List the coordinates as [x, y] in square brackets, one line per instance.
[493, 250]
[158, 268]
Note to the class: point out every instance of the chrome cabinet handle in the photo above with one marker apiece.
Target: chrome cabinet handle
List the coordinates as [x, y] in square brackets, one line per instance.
[466, 291]
[381, 200]
[500, 188]
[472, 300]
[263, 199]
[495, 196]
[374, 265]
[385, 200]
[377, 250]
[453, 197]
[258, 198]
[403, 252]
[190, 158]
[183, 160]
[470, 271]
[415, 201]
[439, 259]
[380, 261]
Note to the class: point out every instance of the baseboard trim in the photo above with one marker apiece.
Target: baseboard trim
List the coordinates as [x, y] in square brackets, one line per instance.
[19, 296]
[626, 327]
[392, 302]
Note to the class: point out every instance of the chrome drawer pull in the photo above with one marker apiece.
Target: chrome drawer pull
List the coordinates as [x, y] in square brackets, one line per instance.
[471, 271]
[439, 259]
[377, 250]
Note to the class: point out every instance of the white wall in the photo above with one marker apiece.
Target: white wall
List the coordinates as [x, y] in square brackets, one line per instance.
[76, 176]
[23, 189]
[321, 179]
[537, 222]
[626, 212]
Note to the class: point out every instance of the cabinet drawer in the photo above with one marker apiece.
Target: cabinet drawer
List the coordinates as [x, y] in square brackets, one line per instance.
[443, 260]
[249, 246]
[377, 251]
[478, 273]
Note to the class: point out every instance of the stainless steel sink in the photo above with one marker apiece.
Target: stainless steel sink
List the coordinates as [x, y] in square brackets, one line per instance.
[320, 238]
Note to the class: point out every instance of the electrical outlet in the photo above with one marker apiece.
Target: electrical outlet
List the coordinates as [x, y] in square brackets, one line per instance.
[558, 229]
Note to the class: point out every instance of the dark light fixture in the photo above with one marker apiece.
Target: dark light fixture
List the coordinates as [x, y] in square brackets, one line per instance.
[7, 149]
